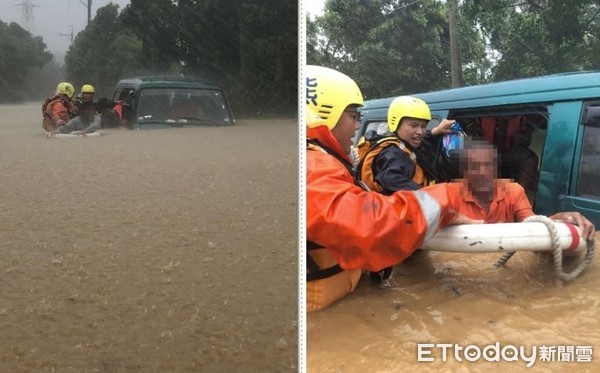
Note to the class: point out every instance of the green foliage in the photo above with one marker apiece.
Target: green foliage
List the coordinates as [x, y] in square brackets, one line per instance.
[393, 47]
[389, 47]
[89, 57]
[156, 23]
[247, 46]
[20, 53]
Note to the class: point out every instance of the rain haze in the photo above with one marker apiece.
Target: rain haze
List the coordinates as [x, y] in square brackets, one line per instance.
[56, 21]
[167, 249]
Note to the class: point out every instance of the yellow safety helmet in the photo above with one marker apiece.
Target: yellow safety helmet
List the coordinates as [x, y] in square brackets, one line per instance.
[65, 88]
[87, 88]
[328, 93]
[406, 106]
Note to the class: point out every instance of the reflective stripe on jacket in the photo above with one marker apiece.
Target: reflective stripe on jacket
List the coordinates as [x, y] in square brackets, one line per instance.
[365, 230]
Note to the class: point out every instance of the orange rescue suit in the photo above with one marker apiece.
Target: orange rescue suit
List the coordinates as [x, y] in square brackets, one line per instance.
[358, 229]
[56, 112]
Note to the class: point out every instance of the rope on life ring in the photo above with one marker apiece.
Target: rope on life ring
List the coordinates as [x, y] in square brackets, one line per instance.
[558, 251]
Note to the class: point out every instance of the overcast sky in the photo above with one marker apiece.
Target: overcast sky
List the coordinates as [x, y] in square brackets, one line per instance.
[54, 17]
[313, 7]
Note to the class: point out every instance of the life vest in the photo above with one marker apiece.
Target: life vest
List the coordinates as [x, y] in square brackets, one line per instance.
[47, 121]
[326, 281]
[369, 150]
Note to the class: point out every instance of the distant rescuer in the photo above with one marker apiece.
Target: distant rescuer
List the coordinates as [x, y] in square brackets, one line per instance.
[86, 94]
[58, 110]
[348, 228]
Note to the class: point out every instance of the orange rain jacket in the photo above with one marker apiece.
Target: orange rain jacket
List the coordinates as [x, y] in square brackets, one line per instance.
[56, 113]
[358, 229]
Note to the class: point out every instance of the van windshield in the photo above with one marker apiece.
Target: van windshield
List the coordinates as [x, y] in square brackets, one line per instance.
[180, 107]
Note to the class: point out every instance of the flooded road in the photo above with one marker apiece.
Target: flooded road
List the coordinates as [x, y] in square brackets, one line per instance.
[167, 250]
[462, 299]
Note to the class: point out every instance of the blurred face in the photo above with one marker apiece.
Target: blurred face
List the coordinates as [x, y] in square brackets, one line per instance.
[87, 97]
[87, 113]
[412, 131]
[346, 127]
[480, 170]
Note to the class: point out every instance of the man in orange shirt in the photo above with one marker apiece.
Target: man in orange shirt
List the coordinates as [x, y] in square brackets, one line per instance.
[500, 200]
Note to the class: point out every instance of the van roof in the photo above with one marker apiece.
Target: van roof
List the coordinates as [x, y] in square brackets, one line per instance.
[165, 81]
[556, 87]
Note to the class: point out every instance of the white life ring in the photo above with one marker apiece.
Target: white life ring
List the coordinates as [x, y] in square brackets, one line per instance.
[73, 135]
[505, 237]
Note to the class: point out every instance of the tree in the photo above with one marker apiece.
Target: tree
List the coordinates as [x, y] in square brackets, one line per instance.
[396, 47]
[20, 53]
[247, 46]
[157, 24]
[531, 38]
[389, 47]
[105, 52]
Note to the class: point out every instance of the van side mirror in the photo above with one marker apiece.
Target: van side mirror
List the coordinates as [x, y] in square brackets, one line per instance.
[591, 115]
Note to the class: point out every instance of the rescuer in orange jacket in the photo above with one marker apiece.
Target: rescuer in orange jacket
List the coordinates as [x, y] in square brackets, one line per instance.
[348, 228]
[58, 110]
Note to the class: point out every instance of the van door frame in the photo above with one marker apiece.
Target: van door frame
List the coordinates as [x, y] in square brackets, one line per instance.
[587, 205]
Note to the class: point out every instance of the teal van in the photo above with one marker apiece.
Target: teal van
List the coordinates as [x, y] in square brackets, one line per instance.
[172, 101]
[558, 114]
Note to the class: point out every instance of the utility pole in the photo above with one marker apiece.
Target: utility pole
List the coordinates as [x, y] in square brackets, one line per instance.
[89, 9]
[71, 34]
[455, 60]
[89, 6]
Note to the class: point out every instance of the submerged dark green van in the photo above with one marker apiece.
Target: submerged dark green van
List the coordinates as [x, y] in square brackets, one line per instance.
[561, 115]
[172, 101]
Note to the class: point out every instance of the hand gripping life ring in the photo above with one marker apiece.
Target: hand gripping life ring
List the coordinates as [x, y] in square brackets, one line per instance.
[537, 233]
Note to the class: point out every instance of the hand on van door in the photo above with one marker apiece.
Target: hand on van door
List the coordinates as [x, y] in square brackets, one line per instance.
[588, 231]
[445, 126]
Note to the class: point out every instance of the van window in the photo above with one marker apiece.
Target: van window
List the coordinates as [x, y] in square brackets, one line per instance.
[589, 166]
[518, 132]
[126, 95]
[176, 104]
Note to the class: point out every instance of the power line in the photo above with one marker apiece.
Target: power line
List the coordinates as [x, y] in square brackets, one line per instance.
[70, 34]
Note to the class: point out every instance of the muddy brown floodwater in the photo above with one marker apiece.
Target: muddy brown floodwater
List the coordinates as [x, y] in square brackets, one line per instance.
[166, 250]
[462, 299]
